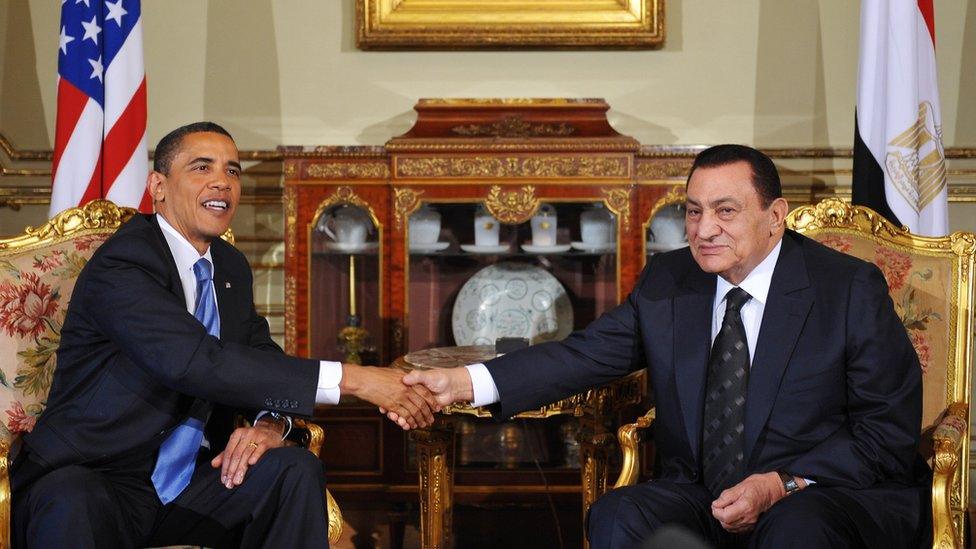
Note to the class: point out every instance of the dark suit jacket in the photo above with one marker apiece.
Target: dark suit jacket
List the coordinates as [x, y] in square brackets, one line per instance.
[133, 362]
[835, 390]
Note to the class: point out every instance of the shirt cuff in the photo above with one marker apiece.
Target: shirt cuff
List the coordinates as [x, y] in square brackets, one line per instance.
[286, 418]
[482, 385]
[330, 374]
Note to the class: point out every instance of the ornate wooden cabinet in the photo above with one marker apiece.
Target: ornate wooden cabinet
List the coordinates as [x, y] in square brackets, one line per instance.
[383, 244]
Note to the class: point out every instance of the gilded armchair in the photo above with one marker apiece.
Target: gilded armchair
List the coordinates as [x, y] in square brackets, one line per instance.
[37, 274]
[931, 283]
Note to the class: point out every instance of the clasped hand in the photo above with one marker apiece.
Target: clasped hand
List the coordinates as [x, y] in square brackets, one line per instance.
[738, 508]
[413, 406]
[446, 386]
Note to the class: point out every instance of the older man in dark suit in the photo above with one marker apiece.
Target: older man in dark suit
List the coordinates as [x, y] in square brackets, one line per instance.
[160, 347]
[788, 394]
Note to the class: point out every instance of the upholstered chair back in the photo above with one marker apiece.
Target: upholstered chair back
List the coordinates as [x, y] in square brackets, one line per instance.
[930, 281]
[38, 271]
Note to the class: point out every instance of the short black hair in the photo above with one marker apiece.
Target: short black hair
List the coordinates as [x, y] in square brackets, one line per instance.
[169, 145]
[765, 178]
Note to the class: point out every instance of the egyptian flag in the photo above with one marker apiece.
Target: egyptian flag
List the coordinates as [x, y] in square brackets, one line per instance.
[899, 161]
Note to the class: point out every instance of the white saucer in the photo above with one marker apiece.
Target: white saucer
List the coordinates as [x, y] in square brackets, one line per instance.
[557, 249]
[429, 248]
[665, 246]
[475, 249]
[348, 247]
[594, 248]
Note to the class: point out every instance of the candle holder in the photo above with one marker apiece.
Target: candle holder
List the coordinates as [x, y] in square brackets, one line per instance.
[353, 339]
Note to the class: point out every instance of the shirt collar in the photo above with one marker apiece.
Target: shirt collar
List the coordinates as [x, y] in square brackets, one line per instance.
[756, 282]
[184, 253]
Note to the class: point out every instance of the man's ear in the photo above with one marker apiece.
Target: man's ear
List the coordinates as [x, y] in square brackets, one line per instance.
[777, 212]
[154, 184]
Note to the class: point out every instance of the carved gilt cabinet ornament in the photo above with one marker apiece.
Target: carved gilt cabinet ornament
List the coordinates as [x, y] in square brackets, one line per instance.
[512, 207]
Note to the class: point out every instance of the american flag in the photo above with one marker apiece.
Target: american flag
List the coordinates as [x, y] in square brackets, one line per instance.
[100, 139]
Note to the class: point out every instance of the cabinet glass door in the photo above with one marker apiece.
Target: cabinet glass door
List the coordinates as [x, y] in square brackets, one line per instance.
[471, 279]
[344, 296]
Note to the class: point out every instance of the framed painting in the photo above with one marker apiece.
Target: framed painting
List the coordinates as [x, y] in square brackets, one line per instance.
[512, 24]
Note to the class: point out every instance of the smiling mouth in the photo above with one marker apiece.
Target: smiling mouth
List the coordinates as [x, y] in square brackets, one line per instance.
[216, 205]
[705, 248]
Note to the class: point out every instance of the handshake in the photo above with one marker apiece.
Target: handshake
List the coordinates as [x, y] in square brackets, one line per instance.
[408, 399]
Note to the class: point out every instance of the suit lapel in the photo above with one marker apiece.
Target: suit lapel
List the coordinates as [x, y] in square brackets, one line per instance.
[786, 310]
[175, 285]
[227, 287]
[692, 340]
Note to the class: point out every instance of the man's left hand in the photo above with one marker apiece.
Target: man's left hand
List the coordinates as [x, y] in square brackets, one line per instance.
[244, 448]
[738, 508]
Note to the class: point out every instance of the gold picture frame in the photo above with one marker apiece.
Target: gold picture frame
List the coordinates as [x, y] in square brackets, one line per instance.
[499, 24]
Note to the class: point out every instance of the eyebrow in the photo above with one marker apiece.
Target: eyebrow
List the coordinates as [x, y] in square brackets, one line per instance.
[715, 203]
[206, 160]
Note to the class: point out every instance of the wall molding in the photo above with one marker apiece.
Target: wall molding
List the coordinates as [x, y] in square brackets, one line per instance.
[653, 162]
[16, 155]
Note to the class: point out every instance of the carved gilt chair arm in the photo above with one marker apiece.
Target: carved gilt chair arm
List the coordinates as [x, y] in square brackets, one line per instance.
[946, 441]
[309, 435]
[630, 437]
[4, 493]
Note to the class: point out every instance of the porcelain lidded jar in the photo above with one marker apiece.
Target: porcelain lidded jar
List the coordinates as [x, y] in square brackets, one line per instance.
[597, 225]
[668, 226]
[425, 226]
[486, 228]
[544, 226]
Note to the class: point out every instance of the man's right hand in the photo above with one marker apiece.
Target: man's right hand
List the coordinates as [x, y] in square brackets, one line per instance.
[384, 387]
[448, 385]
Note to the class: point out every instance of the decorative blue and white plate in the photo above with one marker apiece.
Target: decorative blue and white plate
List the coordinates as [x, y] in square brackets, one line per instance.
[510, 299]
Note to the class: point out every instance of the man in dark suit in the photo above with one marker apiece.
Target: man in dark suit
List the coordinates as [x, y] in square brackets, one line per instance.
[161, 347]
[788, 394]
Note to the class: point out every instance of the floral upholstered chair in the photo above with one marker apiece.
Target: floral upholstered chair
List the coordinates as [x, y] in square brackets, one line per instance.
[931, 283]
[38, 270]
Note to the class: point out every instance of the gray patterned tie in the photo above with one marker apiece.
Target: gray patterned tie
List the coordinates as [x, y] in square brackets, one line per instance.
[725, 398]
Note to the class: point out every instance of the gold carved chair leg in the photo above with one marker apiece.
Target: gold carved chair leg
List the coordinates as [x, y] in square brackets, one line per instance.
[434, 448]
[595, 448]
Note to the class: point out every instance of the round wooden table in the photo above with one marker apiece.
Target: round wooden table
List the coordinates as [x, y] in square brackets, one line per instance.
[436, 443]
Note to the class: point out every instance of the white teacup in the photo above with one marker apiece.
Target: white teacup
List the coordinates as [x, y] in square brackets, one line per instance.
[544, 226]
[486, 229]
[425, 226]
[346, 225]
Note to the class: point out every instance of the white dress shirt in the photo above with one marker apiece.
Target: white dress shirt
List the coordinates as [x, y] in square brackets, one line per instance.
[756, 284]
[185, 255]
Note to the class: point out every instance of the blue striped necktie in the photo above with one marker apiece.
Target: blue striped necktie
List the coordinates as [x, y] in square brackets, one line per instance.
[177, 454]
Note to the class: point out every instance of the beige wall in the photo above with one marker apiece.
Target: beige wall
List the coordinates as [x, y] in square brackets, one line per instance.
[766, 72]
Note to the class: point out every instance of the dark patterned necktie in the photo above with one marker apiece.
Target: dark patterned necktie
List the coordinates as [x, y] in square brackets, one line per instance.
[725, 398]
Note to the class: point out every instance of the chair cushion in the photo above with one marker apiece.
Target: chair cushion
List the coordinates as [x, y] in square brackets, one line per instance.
[35, 288]
[921, 288]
